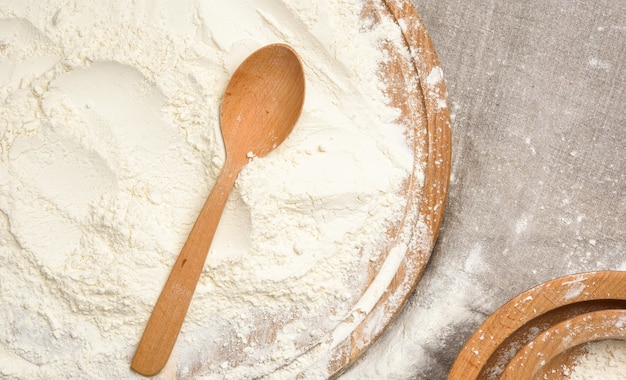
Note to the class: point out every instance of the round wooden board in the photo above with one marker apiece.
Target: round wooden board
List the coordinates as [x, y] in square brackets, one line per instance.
[425, 114]
[426, 117]
[396, 272]
[554, 319]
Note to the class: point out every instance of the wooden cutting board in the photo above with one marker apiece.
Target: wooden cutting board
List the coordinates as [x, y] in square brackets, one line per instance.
[395, 274]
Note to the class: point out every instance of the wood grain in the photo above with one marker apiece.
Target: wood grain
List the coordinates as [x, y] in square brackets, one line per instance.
[429, 132]
[514, 326]
[590, 327]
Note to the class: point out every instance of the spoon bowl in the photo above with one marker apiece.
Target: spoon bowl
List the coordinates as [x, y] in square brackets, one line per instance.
[259, 110]
[262, 102]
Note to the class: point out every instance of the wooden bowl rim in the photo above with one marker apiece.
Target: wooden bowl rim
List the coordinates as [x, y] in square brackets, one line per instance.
[566, 296]
[562, 337]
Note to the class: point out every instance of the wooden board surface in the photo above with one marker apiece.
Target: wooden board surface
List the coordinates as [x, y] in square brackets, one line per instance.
[584, 304]
[392, 277]
[428, 128]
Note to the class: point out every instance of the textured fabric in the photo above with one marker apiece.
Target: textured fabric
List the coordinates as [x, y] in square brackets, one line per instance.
[537, 90]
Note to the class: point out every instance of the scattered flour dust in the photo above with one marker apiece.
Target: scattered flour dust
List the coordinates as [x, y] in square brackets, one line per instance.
[605, 360]
[109, 145]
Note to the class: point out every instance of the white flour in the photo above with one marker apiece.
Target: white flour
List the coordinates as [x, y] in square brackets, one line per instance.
[604, 360]
[109, 145]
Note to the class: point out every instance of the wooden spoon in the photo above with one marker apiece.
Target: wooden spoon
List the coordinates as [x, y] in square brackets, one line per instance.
[262, 102]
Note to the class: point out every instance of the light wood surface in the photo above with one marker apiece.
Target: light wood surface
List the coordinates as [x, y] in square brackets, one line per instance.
[262, 103]
[429, 133]
[562, 337]
[573, 303]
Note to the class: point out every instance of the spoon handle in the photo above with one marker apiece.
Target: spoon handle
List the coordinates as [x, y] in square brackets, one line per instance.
[168, 315]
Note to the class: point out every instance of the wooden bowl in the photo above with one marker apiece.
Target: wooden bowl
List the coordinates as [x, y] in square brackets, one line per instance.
[532, 361]
[526, 336]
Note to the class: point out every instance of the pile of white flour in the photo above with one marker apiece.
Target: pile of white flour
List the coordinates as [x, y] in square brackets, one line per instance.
[603, 360]
[109, 145]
